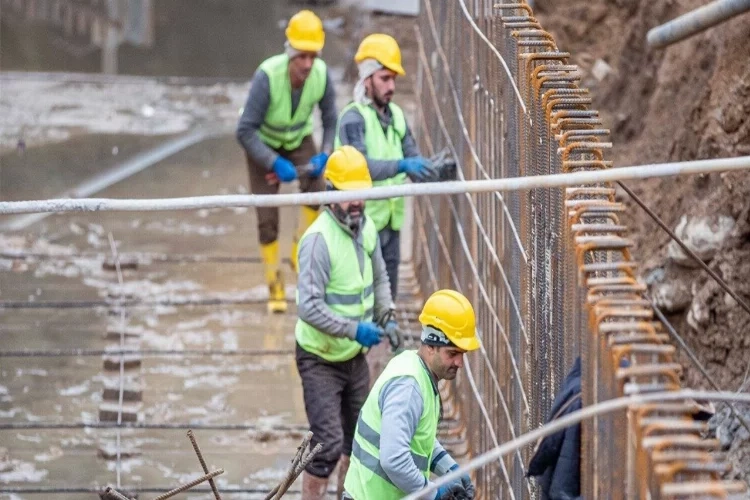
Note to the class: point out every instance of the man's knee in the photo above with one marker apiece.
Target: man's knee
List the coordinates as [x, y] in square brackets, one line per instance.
[268, 231]
[324, 462]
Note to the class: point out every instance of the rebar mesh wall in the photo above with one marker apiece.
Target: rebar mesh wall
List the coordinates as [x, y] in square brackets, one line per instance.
[548, 271]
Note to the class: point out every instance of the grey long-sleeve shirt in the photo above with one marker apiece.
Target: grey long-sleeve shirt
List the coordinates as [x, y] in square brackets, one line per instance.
[254, 114]
[351, 130]
[315, 273]
[401, 406]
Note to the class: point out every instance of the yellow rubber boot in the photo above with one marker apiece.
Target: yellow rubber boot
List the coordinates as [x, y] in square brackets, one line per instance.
[307, 216]
[276, 295]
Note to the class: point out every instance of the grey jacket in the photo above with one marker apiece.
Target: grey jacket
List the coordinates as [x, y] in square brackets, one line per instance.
[401, 405]
[314, 275]
[351, 131]
[254, 114]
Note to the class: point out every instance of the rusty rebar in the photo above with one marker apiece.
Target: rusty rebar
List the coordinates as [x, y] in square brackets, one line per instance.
[295, 468]
[211, 482]
[189, 485]
[111, 493]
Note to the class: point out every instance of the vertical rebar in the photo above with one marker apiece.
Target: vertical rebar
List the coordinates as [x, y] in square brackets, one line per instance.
[203, 463]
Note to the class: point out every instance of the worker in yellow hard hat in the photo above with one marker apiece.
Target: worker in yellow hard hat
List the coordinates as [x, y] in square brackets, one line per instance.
[395, 444]
[376, 126]
[275, 129]
[343, 296]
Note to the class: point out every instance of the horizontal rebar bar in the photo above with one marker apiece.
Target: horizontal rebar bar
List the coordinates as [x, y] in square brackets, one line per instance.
[377, 193]
[59, 353]
[569, 420]
[128, 303]
[141, 258]
[68, 490]
[145, 426]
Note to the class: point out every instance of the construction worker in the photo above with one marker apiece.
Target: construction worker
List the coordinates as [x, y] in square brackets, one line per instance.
[377, 128]
[275, 130]
[342, 291]
[395, 446]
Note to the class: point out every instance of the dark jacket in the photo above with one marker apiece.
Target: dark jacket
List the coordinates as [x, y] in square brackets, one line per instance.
[557, 461]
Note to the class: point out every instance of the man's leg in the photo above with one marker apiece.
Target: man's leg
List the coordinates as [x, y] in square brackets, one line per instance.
[390, 244]
[268, 232]
[307, 214]
[355, 394]
[323, 385]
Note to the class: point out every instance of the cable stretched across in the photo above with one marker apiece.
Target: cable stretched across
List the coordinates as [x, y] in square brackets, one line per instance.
[67, 205]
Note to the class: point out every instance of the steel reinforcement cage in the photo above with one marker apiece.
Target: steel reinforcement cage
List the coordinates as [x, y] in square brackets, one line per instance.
[549, 271]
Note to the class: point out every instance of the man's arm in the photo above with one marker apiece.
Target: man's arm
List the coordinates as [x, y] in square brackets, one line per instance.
[315, 272]
[441, 460]
[381, 284]
[352, 132]
[253, 114]
[329, 114]
[401, 407]
[409, 145]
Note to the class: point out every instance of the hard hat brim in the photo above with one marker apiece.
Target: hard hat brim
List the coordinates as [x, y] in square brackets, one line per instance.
[469, 344]
[395, 67]
[307, 46]
[352, 185]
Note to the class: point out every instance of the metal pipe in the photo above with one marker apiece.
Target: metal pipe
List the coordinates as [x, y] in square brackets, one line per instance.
[377, 193]
[695, 21]
[573, 418]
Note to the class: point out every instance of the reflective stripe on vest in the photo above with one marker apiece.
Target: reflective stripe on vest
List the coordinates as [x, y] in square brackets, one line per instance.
[366, 479]
[383, 145]
[280, 128]
[349, 291]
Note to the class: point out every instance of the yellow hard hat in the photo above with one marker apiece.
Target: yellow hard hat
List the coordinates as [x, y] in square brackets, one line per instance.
[347, 170]
[384, 49]
[451, 313]
[305, 32]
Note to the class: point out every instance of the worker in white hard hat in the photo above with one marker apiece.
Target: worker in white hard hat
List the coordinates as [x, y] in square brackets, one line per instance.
[395, 445]
[343, 296]
[275, 130]
[376, 126]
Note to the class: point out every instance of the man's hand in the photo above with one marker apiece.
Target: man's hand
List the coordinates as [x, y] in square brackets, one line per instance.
[417, 168]
[467, 484]
[318, 163]
[451, 491]
[368, 333]
[393, 334]
[284, 169]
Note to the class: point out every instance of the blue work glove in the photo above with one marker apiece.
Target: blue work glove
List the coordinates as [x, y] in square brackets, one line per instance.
[417, 168]
[318, 163]
[467, 484]
[451, 491]
[284, 169]
[368, 333]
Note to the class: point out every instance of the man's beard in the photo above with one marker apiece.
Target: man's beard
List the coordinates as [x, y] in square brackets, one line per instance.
[352, 217]
[382, 102]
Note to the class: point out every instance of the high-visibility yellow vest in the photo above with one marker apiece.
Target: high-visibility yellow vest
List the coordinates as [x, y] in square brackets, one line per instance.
[366, 479]
[383, 145]
[349, 291]
[280, 128]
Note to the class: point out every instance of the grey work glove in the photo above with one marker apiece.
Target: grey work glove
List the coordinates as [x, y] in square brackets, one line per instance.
[467, 484]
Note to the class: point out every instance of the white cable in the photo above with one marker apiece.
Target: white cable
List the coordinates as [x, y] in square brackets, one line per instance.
[377, 193]
[557, 425]
[496, 52]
